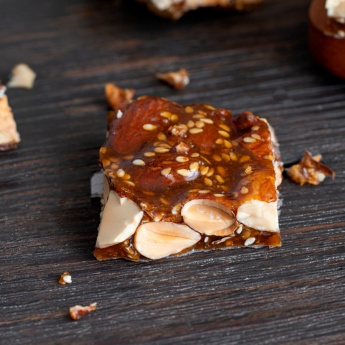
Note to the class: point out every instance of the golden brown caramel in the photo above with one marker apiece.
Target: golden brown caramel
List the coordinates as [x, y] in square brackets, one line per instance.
[161, 155]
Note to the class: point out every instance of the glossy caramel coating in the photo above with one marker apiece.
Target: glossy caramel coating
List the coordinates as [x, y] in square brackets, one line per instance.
[161, 155]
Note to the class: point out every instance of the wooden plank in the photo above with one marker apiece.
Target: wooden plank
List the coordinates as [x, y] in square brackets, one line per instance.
[257, 61]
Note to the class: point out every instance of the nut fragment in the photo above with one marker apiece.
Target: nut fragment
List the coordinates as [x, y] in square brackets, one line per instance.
[65, 278]
[209, 217]
[121, 217]
[309, 170]
[22, 76]
[259, 215]
[178, 79]
[182, 147]
[9, 137]
[157, 240]
[78, 311]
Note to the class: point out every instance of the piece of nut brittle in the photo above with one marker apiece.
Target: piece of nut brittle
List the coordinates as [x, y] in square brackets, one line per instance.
[309, 170]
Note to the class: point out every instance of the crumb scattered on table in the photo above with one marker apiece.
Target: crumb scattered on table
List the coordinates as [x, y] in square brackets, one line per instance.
[78, 311]
[178, 79]
[22, 77]
[65, 278]
[309, 170]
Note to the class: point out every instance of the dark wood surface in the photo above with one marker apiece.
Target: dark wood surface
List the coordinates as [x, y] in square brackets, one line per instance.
[48, 223]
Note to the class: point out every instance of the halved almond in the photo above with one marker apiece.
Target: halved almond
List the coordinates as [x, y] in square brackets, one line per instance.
[209, 217]
[121, 217]
[157, 240]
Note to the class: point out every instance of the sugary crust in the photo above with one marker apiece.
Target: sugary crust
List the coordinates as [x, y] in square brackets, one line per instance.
[162, 155]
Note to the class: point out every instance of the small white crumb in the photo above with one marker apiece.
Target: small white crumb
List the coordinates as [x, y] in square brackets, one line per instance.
[22, 76]
[67, 279]
[119, 114]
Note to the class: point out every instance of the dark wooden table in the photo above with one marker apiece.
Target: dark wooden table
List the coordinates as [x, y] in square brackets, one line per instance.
[257, 61]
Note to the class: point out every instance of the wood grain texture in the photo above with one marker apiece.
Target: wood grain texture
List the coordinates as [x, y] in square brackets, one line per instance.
[48, 223]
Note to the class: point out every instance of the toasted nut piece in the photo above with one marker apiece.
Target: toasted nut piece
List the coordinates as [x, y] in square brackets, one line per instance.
[22, 76]
[259, 215]
[157, 240]
[121, 217]
[78, 311]
[209, 217]
[65, 278]
[178, 80]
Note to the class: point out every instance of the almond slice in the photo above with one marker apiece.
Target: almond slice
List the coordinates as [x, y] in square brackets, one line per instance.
[157, 240]
[259, 215]
[209, 217]
[121, 217]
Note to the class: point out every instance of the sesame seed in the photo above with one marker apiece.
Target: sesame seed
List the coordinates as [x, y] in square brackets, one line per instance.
[239, 229]
[205, 159]
[204, 170]
[103, 150]
[255, 128]
[224, 134]
[165, 114]
[165, 172]
[210, 173]
[165, 145]
[195, 154]
[161, 136]
[126, 177]
[183, 172]
[114, 166]
[128, 156]
[120, 173]
[209, 121]
[209, 107]
[226, 157]
[249, 140]
[174, 118]
[149, 154]
[219, 141]
[161, 149]
[249, 241]
[190, 124]
[130, 183]
[198, 116]
[218, 195]
[221, 170]
[164, 201]
[182, 159]
[219, 179]
[233, 156]
[106, 162]
[244, 159]
[199, 124]
[176, 209]
[225, 127]
[216, 158]
[208, 182]
[149, 127]
[227, 144]
[189, 110]
[256, 136]
[194, 166]
[138, 162]
[195, 130]
[248, 170]
[193, 190]
[244, 190]
[119, 114]
[270, 157]
[206, 239]
[203, 191]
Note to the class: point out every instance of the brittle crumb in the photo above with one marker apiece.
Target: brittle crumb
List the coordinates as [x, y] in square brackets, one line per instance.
[78, 311]
[65, 278]
[178, 79]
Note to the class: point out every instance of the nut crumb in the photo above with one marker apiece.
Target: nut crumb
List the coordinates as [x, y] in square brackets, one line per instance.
[22, 77]
[309, 170]
[178, 79]
[78, 311]
[65, 278]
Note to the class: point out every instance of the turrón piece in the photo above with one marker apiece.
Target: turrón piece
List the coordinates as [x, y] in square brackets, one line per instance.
[185, 178]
